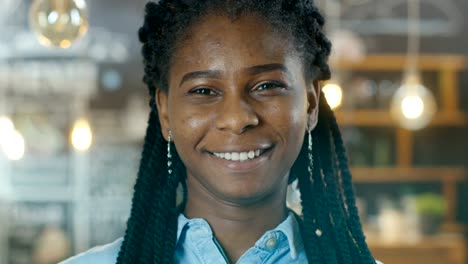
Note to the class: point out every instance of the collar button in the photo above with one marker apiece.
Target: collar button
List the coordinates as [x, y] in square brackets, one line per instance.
[271, 243]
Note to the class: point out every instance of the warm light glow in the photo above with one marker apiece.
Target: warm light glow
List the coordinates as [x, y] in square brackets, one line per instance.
[58, 22]
[333, 94]
[13, 146]
[81, 136]
[11, 141]
[412, 107]
[6, 128]
[65, 44]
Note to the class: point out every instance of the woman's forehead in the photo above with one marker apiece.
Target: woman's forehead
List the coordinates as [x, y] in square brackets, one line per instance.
[218, 41]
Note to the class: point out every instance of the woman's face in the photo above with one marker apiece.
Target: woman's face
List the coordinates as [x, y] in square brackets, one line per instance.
[238, 107]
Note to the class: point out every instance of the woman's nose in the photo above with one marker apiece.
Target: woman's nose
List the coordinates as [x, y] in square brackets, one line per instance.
[236, 115]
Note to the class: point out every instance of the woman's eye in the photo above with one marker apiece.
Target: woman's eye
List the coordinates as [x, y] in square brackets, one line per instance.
[203, 91]
[269, 86]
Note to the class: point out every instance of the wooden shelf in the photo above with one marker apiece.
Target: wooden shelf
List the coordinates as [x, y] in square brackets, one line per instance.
[384, 119]
[446, 176]
[431, 250]
[396, 174]
[386, 62]
[437, 250]
[447, 67]
[427, 242]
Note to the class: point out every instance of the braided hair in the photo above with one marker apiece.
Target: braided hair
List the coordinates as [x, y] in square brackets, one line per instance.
[327, 196]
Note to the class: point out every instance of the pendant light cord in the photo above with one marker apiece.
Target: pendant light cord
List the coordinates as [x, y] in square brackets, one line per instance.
[412, 69]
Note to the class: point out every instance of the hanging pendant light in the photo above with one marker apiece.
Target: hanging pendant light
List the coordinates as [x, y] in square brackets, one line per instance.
[413, 105]
[333, 93]
[81, 135]
[58, 22]
[332, 88]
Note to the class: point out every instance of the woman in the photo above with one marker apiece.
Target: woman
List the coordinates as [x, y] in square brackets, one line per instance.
[236, 116]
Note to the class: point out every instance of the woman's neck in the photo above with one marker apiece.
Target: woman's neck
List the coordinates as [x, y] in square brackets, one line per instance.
[237, 226]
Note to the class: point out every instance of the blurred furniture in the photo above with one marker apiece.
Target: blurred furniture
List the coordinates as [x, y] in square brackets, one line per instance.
[430, 250]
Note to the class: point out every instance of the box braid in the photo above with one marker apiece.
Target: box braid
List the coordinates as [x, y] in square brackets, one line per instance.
[327, 195]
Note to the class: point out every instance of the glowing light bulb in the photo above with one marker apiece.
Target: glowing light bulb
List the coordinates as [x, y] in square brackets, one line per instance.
[6, 128]
[13, 146]
[81, 136]
[11, 141]
[58, 22]
[333, 94]
[413, 105]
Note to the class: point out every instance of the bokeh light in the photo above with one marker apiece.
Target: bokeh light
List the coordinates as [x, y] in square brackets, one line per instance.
[413, 106]
[81, 136]
[58, 22]
[6, 127]
[333, 94]
[11, 141]
[13, 146]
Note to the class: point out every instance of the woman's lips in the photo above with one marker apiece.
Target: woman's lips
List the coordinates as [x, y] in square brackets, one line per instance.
[239, 164]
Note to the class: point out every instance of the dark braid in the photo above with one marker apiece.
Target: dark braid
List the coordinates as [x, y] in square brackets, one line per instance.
[327, 195]
[353, 219]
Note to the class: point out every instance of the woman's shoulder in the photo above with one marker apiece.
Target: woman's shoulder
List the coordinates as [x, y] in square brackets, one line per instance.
[105, 254]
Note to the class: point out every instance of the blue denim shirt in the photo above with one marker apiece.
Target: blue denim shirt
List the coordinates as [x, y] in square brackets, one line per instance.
[196, 244]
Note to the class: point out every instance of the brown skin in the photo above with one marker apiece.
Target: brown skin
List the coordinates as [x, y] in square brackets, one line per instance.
[237, 106]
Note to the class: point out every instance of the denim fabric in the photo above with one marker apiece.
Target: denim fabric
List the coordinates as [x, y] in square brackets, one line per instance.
[196, 244]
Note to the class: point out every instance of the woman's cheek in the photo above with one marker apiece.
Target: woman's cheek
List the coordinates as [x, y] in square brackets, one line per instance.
[294, 114]
[193, 123]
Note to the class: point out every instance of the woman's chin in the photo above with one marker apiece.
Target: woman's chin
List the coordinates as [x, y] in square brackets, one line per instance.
[243, 196]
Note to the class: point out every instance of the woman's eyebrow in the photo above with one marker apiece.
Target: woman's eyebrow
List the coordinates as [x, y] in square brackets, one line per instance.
[215, 74]
[257, 69]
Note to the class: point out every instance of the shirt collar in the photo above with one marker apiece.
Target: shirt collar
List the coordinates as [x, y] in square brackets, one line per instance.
[289, 227]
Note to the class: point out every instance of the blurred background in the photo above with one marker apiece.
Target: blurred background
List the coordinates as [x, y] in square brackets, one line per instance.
[73, 113]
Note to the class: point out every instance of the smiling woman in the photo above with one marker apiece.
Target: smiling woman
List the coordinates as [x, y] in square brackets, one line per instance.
[237, 115]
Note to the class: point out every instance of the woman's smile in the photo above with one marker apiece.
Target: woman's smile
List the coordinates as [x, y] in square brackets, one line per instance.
[245, 161]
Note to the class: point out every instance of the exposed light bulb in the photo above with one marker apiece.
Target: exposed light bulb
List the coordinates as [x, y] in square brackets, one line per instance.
[6, 128]
[81, 136]
[413, 105]
[13, 146]
[11, 141]
[58, 22]
[334, 94]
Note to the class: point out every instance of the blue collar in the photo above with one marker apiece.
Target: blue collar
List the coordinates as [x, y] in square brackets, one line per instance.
[289, 227]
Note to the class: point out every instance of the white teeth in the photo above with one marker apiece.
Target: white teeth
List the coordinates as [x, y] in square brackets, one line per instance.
[234, 156]
[238, 156]
[243, 156]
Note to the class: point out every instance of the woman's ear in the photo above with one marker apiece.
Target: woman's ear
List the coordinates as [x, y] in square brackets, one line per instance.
[313, 95]
[161, 103]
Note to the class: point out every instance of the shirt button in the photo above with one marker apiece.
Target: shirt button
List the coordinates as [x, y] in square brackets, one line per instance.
[271, 243]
